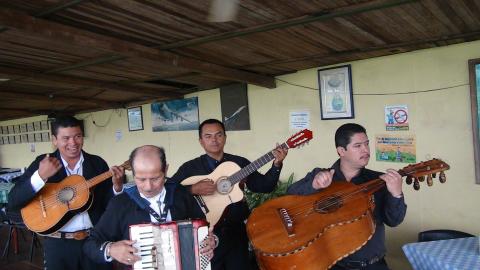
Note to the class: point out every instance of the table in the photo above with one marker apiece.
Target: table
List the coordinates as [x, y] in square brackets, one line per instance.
[7, 177]
[453, 254]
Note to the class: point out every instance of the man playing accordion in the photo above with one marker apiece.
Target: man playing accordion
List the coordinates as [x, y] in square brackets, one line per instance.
[152, 201]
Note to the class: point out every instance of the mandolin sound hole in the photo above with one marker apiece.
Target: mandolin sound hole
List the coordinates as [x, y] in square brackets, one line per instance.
[66, 194]
[328, 205]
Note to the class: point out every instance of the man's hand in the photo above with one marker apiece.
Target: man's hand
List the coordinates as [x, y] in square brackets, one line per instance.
[323, 179]
[204, 187]
[279, 153]
[209, 244]
[394, 182]
[48, 167]
[122, 251]
[117, 178]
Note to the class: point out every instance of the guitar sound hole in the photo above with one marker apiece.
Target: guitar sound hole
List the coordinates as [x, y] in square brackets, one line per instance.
[224, 186]
[329, 204]
[66, 194]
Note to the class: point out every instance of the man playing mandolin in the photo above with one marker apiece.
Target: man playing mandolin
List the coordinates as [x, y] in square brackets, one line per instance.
[353, 148]
[232, 252]
[63, 248]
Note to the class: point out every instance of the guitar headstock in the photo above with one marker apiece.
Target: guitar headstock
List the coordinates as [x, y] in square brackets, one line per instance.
[126, 165]
[299, 138]
[428, 170]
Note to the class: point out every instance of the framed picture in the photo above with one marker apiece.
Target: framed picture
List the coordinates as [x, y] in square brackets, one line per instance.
[31, 137]
[37, 125]
[5, 130]
[23, 128]
[474, 75]
[11, 139]
[45, 136]
[5, 140]
[135, 118]
[24, 138]
[175, 115]
[11, 130]
[16, 129]
[336, 97]
[44, 125]
[38, 137]
[30, 127]
[18, 139]
[234, 102]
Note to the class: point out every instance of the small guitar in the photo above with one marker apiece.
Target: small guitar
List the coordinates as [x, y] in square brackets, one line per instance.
[291, 231]
[228, 174]
[56, 203]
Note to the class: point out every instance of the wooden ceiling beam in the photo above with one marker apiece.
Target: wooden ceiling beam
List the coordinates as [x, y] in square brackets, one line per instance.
[320, 16]
[119, 87]
[11, 93]
[67, 34]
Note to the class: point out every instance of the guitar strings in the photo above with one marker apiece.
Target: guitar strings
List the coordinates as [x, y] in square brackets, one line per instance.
[345, 195]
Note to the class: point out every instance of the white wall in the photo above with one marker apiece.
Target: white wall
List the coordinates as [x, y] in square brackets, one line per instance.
[440, 121]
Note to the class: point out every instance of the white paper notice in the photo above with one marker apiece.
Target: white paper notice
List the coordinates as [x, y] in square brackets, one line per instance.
[299, 119]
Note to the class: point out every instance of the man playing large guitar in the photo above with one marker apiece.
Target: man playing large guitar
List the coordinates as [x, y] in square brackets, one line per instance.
[353, 148]
[232, 252]
[63, 248]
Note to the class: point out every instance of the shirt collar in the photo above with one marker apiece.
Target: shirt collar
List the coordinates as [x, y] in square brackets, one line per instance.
[77, 165]
[159, 197]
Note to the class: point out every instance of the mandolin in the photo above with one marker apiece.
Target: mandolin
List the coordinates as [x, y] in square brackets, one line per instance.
[56, 203]
[228, 174]
[316, 231]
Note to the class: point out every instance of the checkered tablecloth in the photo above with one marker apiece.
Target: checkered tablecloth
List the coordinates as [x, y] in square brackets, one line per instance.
[7, 177]
[4, 189]
[454, 254]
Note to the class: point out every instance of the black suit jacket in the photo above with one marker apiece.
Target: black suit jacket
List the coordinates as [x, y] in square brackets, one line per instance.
[123, 212]
[92, 166]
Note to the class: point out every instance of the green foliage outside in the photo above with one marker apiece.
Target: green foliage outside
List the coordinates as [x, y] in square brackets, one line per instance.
[256, 199]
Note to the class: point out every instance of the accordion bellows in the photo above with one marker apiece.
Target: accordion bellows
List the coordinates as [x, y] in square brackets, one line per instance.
[170, 246]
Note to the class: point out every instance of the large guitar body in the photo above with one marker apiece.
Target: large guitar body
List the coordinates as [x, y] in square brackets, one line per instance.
[316, 231]
[46, 213]
[315, 238]
[217, 202]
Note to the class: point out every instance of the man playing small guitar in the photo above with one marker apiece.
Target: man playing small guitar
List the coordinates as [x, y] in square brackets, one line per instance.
[353, 148]
[63, 248]
[232, 252]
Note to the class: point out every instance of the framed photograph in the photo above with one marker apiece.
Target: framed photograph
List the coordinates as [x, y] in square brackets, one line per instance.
[474, 75]
[5, 130]
[38, 137]
[45, 136]
[23, 128]
[1, 140]
[37, 125]
[24, 138]
[18, 139]
[336, 97]
[5, 140]
[135, 118]
[31, 137]
[11, 130]
[234, 103]
[16, 128]
[175, 115]
[44, 125]
[11, 139]
[30, 127]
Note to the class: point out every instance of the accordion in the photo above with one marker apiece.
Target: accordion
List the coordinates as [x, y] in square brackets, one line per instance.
[170, 246]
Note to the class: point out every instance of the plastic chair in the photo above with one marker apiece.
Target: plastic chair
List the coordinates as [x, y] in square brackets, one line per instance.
[443, 234]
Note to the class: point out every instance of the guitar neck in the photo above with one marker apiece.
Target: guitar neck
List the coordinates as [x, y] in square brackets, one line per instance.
[98, 179]
[255, 165]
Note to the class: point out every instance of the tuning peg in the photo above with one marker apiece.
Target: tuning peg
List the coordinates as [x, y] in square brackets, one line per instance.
[416, 184]
[442, 177]
[409, 180]
[421, 178]
[429, 180]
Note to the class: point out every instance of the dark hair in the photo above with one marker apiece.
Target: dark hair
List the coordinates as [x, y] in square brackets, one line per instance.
[159, 151]
[344, 134]
[210, 121]
[64, 122]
